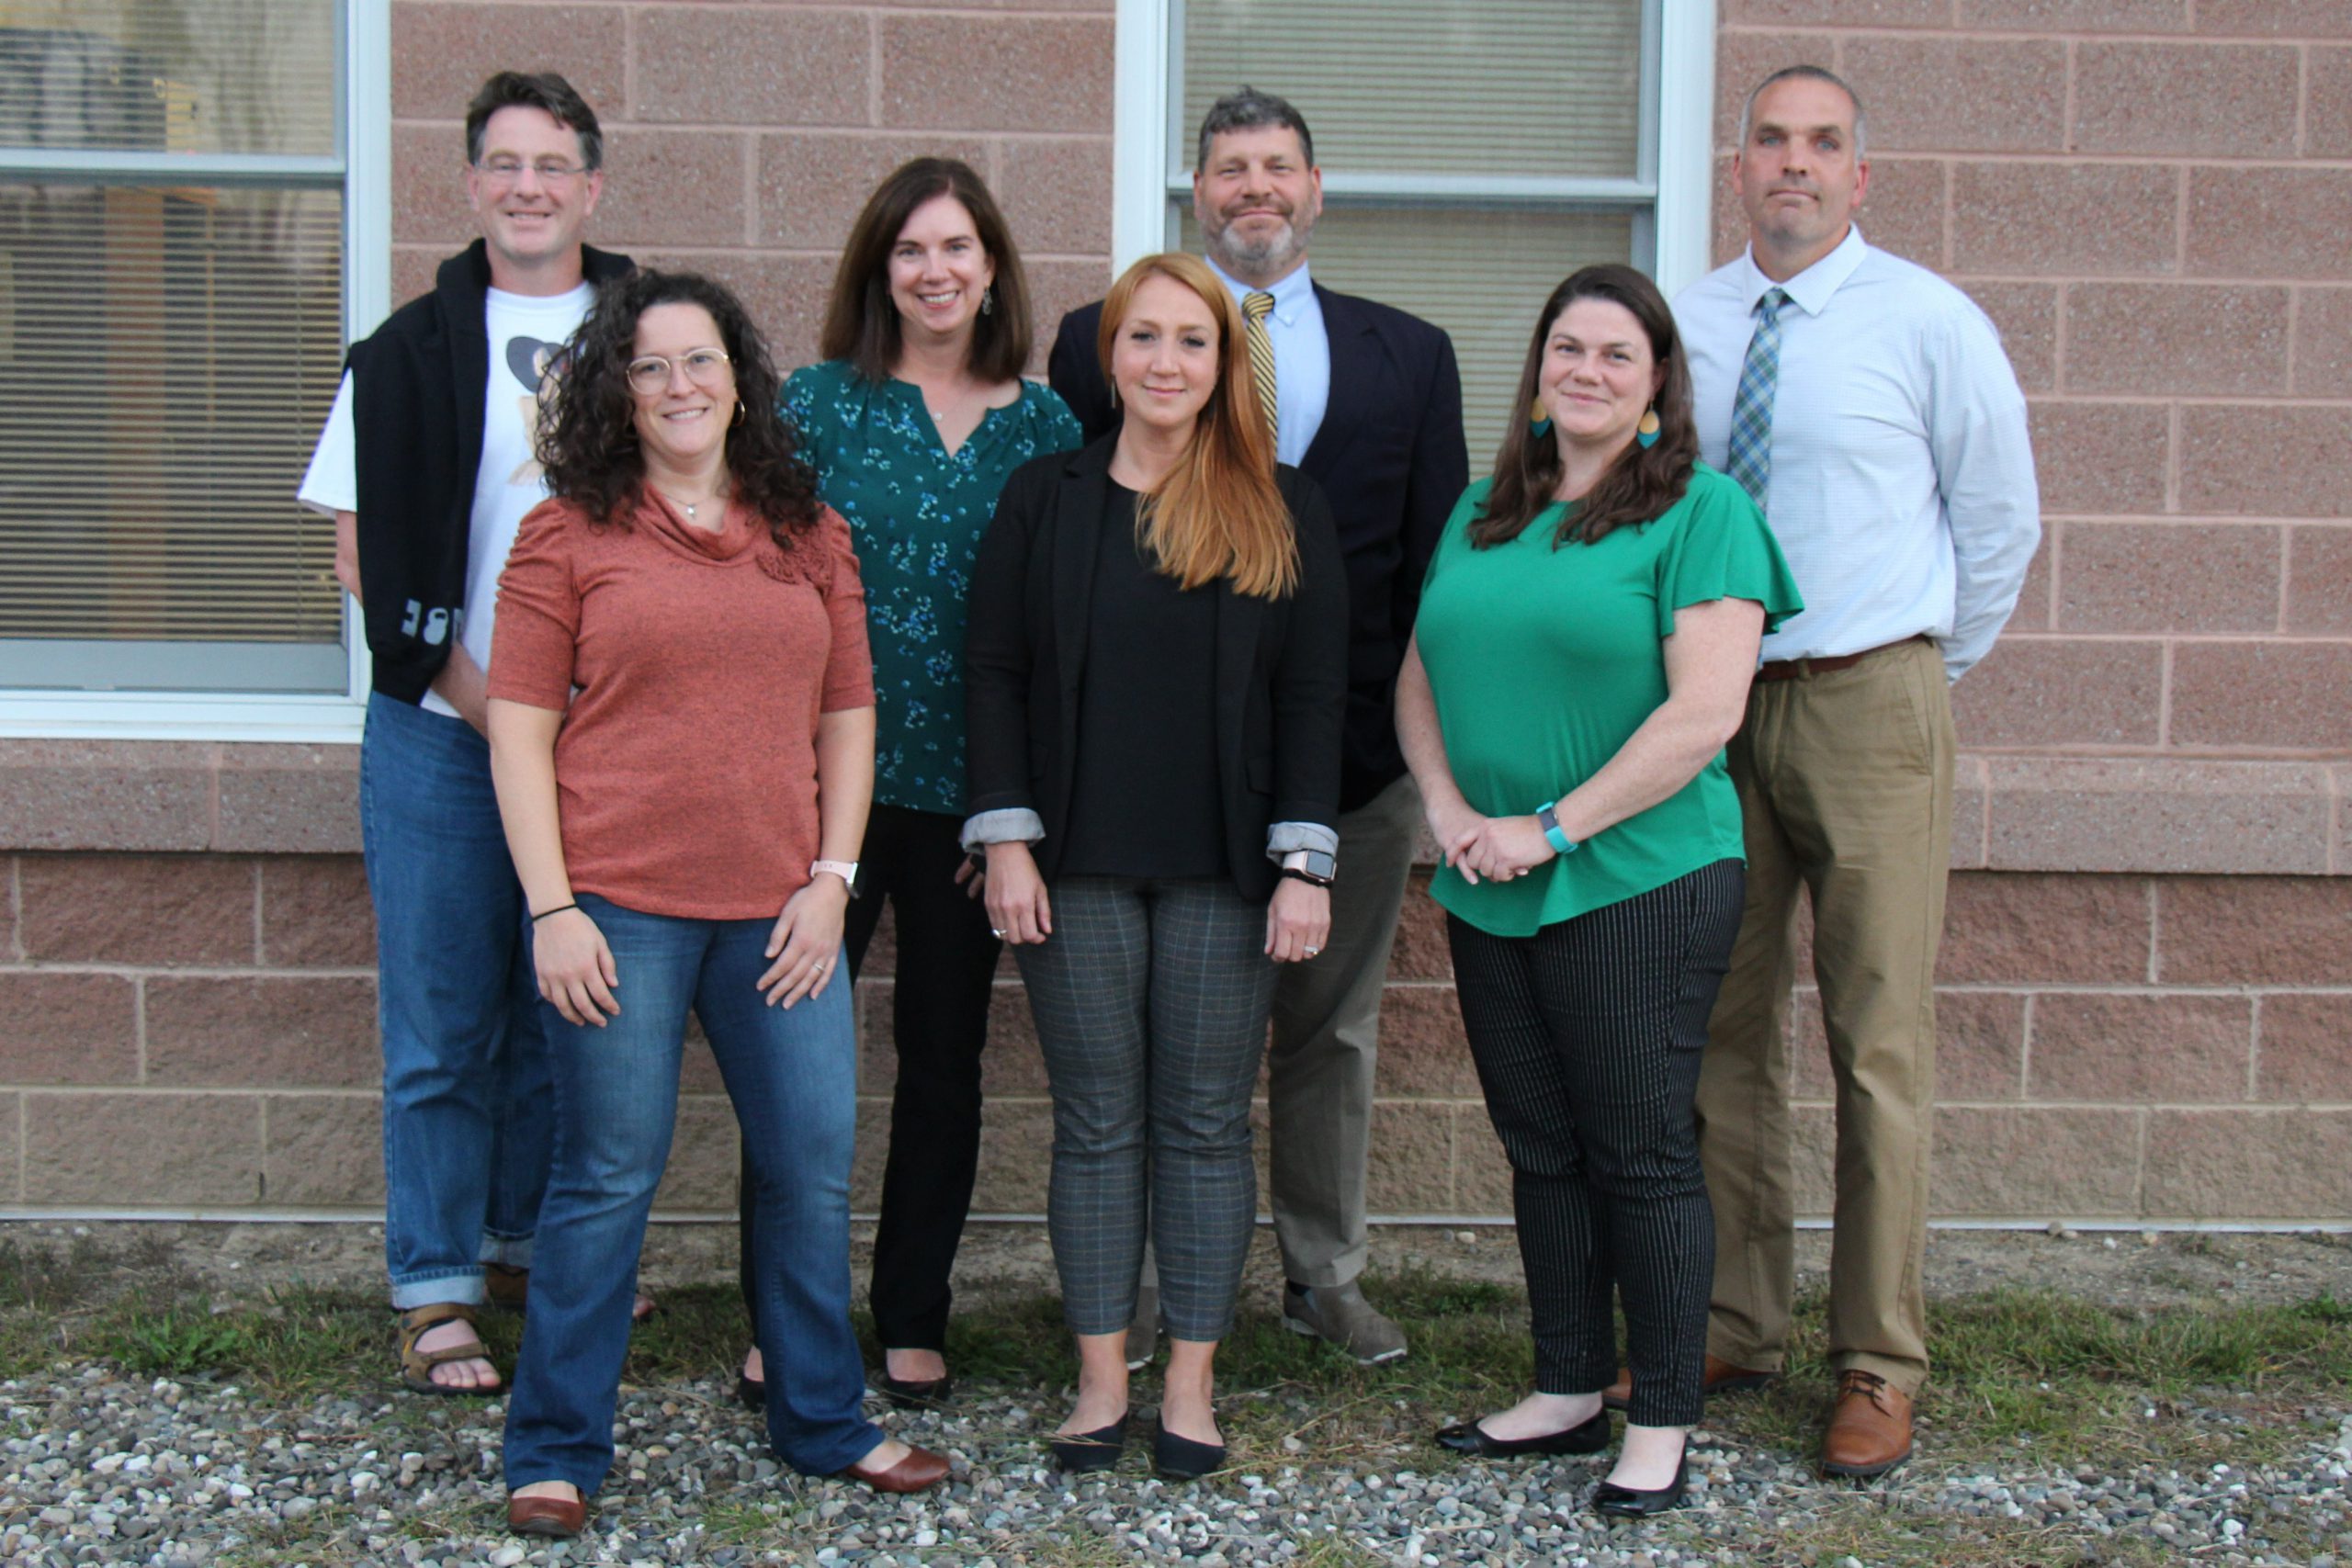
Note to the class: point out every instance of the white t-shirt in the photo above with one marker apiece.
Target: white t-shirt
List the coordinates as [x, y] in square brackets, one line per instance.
[525, 332]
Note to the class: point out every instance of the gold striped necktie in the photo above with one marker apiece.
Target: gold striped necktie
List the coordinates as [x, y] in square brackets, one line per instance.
[1256, 306]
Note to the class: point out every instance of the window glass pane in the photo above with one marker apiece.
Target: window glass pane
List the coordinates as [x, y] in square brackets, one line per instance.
[166, 358]
[169, 76]
[1402, 87]
[1481, 274]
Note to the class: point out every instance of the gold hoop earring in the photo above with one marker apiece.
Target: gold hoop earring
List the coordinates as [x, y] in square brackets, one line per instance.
[742, 411]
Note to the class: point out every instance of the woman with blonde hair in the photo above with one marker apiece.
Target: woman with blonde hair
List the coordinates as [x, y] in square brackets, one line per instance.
[1155, 672]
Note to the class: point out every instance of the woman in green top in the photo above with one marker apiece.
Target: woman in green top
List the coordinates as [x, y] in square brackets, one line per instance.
[913, 422]
[1583, 649]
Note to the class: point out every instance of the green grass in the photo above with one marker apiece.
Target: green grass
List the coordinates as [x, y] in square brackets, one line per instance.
[2021, 1376]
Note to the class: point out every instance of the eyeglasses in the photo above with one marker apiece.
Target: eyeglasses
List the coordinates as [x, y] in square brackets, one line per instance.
[552, 174]
[706, 368]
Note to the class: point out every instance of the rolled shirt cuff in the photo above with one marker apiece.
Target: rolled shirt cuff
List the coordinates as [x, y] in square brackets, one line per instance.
[1012, 825]
[1285, 837]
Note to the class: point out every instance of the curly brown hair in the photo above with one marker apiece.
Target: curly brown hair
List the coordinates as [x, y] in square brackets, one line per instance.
[587, 437]
[1643, 481]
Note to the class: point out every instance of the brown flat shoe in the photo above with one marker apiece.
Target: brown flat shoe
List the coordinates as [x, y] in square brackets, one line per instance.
[1721, 1377]
[416, 1366]
[1869, 1427]
[559, 1518]
[919, 1472]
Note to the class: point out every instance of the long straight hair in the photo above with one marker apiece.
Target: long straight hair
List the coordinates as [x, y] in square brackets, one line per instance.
[1217, 513]
[1643, 481]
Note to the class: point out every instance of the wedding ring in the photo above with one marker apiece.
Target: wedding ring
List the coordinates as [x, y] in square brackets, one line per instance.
[995, 932]
[1313, 951]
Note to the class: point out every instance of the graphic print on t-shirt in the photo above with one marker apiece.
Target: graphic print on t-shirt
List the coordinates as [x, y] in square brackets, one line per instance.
[535, 365]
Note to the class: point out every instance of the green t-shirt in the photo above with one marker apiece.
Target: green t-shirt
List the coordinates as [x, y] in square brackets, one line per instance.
[1544, 662]
[916, 515]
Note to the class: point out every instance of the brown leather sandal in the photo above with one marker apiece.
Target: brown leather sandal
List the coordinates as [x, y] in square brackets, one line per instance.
[416, 1366]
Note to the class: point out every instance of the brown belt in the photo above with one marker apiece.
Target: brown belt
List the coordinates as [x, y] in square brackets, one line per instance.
[1792, 669]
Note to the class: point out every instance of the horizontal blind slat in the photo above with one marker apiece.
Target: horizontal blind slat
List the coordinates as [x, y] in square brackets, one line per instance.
[1402, 87]
[166, 360]
[169, 76]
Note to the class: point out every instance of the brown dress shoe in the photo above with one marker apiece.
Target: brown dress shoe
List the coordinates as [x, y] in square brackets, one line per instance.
[560, 1518]
[1869, 1427]
[1720, 1377]
[919, 1472]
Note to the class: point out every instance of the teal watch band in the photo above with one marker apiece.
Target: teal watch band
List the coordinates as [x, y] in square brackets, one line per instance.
[1548, 820]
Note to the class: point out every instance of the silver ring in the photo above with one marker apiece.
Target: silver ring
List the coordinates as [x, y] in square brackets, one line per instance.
[995, 932]
[1313, 951]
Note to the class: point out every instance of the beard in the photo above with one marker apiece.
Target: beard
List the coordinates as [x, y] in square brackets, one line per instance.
[1273, 253]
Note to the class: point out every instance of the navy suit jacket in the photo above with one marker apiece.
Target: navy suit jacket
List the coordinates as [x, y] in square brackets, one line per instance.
[1390, 460]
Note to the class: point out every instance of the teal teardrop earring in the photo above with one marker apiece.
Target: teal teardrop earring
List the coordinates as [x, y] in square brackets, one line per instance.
[1646, 431]
[1539, 422]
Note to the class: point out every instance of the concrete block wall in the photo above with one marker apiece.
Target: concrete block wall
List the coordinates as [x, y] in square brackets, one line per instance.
[2147, 995]
[741, 139]
[2150, 198]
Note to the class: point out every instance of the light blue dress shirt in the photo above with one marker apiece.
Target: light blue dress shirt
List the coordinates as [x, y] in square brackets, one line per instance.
[1901, 485]
[1302, 360]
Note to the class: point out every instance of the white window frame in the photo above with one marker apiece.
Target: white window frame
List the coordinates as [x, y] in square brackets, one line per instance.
[1671, 199]
[363, 121]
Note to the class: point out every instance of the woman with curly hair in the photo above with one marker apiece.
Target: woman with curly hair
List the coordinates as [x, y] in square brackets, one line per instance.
[682, 735]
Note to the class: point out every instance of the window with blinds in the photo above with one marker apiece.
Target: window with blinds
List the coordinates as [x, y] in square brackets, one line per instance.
[171, 333]
[1473, 154]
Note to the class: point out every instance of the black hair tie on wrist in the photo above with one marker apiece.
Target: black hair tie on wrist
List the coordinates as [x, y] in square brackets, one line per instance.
[559, 909]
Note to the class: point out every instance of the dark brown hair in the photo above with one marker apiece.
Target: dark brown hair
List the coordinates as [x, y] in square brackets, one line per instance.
[1643, 481]
[536, 90]
[861, 323]
[587, 436]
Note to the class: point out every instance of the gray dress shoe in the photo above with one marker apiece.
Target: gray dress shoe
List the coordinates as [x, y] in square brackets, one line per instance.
[1340, 1316]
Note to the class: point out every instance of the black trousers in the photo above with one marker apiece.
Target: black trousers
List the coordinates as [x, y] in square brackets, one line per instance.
[939, 1023]
[1588, 1037]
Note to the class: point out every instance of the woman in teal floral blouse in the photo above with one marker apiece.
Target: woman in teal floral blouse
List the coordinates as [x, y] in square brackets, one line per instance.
[914, 421]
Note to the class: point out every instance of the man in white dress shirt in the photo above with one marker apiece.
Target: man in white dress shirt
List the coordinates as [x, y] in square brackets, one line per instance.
[1868, 406]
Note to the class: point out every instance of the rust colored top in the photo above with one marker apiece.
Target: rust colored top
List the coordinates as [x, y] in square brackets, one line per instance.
[690, 668]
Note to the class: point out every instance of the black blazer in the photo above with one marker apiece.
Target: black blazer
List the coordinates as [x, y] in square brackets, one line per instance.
[1390, 460]
[1280, 666]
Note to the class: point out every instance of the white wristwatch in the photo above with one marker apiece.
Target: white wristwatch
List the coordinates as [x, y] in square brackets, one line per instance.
[845, 869]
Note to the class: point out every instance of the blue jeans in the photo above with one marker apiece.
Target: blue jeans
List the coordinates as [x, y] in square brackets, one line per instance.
[465, 1062]
[793, 1077]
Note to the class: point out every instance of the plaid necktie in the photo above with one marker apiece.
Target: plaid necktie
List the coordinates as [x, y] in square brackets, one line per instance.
[1751, 407]
[1255, 306]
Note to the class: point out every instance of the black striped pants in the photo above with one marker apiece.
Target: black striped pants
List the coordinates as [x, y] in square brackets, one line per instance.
[1588, 1037]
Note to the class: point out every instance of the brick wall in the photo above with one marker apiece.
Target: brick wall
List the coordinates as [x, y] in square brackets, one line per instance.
[2147, 974]
[2151, 197]
[742, 138]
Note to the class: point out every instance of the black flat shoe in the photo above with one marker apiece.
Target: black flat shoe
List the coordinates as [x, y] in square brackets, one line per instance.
[1469, 1437]
[752, 1392]
[1180, 1458]
[1614, 1502]
[1098, 1449]
[916, 1393]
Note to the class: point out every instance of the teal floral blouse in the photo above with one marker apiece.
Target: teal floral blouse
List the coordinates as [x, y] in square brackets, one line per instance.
[917, 515]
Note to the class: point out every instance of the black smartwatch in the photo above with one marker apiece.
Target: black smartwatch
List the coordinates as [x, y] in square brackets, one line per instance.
[1312, 866]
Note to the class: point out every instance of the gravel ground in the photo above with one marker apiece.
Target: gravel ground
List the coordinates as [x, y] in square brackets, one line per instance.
[101, 1471]
[95, 1469]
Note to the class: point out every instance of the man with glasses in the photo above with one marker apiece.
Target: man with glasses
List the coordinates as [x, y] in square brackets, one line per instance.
[427, 465]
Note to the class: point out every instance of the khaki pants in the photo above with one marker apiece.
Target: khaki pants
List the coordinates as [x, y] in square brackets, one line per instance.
[1845, 786]
[1327, 1043]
